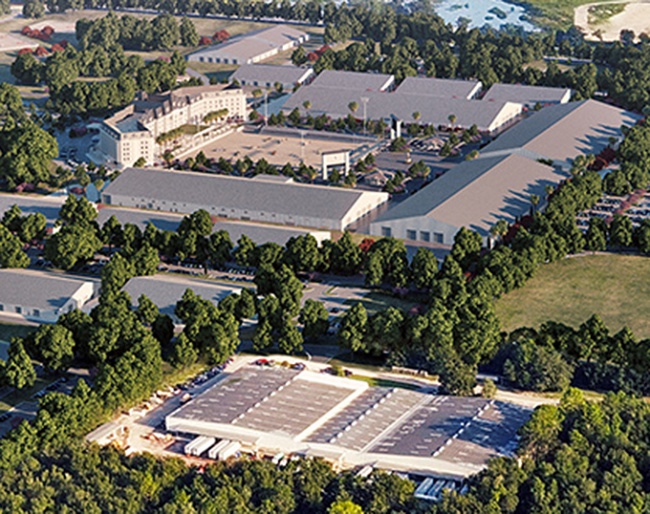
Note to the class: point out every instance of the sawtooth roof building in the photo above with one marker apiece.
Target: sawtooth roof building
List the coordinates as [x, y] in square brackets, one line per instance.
[268, 75]
[252, 47]
[528, 95]
[43, 296]
[271, 410]
[271, 199]
[499, 183]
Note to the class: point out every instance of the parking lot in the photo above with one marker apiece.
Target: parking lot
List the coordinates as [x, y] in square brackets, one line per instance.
[634, 206]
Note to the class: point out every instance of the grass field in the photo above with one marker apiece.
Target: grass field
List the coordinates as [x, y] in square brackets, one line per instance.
[555, 14]
[376, 301]
[615, 287]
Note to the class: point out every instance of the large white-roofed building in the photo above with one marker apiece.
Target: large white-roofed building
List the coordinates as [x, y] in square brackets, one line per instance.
[271, 410]
[269, 199]
[252, 47]
[43, 296]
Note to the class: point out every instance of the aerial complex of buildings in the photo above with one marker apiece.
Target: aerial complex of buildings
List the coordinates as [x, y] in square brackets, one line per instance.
[252, 47]
[266, 411]
[133, 133]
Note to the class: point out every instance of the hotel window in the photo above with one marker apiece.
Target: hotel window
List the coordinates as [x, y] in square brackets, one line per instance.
[438, 237]
[425, 236]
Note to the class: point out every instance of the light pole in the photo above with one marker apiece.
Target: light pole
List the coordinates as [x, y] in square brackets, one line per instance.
[266, 106]
[364, 99]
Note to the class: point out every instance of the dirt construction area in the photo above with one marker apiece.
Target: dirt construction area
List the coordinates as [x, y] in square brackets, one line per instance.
[276, 149]
[635, 17]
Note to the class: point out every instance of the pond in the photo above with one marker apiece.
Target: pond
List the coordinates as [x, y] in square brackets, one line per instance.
[478, 13]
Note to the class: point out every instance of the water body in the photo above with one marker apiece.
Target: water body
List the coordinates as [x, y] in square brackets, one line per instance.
[478, 13]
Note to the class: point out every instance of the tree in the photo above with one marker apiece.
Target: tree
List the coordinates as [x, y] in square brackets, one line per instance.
[489, 389]
[25, 154]
[165, 30]
[11, 253]
[219, 248]
[18, 370]
[537, 368]
[452, 120]
[424, 267]
[353, 106]
[302, 254]
[620, 231]
[534, 201]
[116, 273]
[457, 378]
[147, 311]
[346, 256]
[33, 9]
[467, 247]
[188, 33]
[315, 319]
[353, 328]
[245, 251]
[290, 340]
[596, 236]
[344, 507]
[183, 352]
[54, 346]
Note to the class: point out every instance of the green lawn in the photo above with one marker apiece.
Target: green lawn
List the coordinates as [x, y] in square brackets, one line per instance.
[382, 382]
[615, 287]
[376, 301]
[555, 14]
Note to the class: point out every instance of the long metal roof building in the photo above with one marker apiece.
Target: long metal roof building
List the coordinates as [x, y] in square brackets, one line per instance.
[500, 182]
[263, 198]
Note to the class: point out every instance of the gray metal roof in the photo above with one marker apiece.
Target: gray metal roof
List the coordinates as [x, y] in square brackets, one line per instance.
[47, 206]
[140, 218]
[38, 289]
[448, 88]
[340, 79]
[247, 46]
[166, 290]
[234, 192]
[269, 73]
[561, 132]
[433, 109]
[529, 95]
[260, 233]
[477, 193]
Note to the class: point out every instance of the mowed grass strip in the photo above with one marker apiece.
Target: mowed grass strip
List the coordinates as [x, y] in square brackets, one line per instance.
[555, 14]
[616, 287]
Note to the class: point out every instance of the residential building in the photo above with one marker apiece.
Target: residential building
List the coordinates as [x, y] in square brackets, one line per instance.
[43, 296]
[269, 75]
[131, 134]
[272, 199]
[252, 47]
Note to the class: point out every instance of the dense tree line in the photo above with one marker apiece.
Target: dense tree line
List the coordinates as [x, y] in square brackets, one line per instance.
[131, 33]
[93, 479]
[63, 72]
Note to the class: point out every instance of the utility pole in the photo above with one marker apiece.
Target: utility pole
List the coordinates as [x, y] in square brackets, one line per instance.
[364, 99]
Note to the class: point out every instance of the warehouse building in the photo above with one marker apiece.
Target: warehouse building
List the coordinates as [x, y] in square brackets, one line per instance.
[252, 47]
[43, 296]
[166, 290]
[354, 80]
[474, 194]
[447, 88]
[269, 75]
[261, 233]
[271, 199]
[131, 134]
[500, 182]
[271, 410]
[530, 96]
[433, 110]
